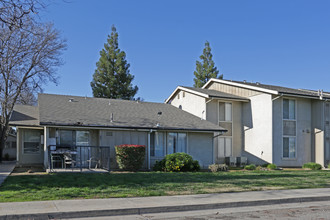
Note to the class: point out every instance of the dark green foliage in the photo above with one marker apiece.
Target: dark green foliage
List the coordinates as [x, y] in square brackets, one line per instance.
[250, 167]
[271, 166]
[177, 162]
[6, 157]
[205, 69]
[130, 157]
[112, 78]
[218, 167]
[312, 166]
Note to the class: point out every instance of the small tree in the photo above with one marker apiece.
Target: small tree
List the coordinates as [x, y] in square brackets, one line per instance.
[112, 78]
[205, 69]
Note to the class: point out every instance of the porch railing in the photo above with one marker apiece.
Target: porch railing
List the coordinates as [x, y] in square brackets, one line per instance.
[81, 157]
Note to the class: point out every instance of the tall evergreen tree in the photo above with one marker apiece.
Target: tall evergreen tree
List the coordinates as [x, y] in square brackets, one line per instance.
[205, 69]
[112, 78]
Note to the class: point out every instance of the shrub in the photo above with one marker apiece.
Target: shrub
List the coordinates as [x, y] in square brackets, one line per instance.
[250, 167]
[312, 166]
[271, 166]
[6, 157]
[177, 162]
[218, 167]
[130, 157]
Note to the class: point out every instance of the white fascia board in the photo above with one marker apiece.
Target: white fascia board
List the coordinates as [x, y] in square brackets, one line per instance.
[241, 85]
[186, 90]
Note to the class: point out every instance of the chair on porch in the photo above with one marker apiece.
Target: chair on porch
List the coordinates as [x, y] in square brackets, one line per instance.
[68, 161]
[94, 160]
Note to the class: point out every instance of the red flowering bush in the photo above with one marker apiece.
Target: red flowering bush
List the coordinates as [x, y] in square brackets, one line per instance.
[130, 157]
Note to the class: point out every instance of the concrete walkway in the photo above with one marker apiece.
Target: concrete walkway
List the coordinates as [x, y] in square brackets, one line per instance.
[143, 205]
[6, 167]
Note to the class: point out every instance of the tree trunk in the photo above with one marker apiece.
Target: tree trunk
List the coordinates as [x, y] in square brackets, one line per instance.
[3, 137]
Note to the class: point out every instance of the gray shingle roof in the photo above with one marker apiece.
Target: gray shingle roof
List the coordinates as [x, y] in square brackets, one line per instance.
[285, 90]
[26, 115]
[215, 94]
[84, 111]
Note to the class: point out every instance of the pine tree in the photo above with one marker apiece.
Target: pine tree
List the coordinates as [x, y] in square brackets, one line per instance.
[112, 78]
[205, 69]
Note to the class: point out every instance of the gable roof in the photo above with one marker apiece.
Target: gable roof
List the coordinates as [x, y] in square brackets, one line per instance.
[206, 93]
[26, 115]
[64, 110]
[272, 89]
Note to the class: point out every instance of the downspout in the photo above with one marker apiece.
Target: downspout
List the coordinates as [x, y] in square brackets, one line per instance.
[149, 148]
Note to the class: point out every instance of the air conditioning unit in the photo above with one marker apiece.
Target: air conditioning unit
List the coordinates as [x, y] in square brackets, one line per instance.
[241, 161]
[230, 161]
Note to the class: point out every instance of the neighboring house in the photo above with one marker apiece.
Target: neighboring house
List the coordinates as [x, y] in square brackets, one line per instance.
[265, 123]
[10, 148]
[67, 121]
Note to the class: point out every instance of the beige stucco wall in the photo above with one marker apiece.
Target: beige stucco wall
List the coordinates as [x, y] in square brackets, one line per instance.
[191, 103]
[257, 125]
[303, 133]
[212, 115]
[28, 159]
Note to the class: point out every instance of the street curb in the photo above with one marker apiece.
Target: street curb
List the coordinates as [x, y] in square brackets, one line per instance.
[160, 209]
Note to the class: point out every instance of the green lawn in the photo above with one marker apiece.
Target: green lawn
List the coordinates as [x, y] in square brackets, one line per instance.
[97, 185]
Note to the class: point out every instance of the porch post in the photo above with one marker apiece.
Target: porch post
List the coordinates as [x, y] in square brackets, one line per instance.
[149, 149]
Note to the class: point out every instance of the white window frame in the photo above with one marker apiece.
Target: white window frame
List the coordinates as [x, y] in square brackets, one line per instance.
[232, 125]
[288, 136]
[41, 145]
[224, 150]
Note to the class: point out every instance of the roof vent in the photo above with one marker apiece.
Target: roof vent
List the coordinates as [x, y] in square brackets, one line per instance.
[160, 113]
[258, 83]
[71, 100]
[244, 81]
[157, 125]
[111, 117]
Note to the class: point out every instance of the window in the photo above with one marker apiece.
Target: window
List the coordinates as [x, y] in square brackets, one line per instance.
[159, 146]
[178, 95]
[289, 147]
[289, 109]
[82, 138]
[157, 140]
[183, 94]
[224, 147]
[32, 142]
[289, 128]
[176, 142]
[69, 138]
[225, 117]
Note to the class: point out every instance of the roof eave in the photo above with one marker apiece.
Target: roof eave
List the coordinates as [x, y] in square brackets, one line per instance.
[130, 127]
[186, 90]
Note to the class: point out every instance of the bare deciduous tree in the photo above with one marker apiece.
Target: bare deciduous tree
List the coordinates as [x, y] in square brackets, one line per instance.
[13, 12]
[29, 55]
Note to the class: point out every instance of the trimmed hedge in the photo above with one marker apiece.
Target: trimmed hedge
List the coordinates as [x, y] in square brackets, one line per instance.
[177, 162]
[312, 166]
[130, 157]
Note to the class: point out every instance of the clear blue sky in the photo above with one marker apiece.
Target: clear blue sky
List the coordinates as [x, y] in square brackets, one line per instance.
[278, 42]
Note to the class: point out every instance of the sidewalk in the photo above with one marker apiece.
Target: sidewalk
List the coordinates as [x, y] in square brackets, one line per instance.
[143, 205]
[6, 167]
